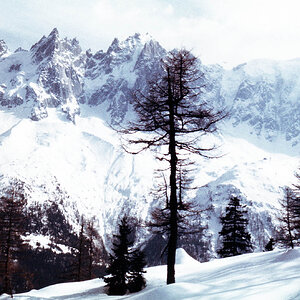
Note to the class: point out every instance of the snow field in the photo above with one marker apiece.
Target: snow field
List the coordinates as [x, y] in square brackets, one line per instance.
[257, 276]
[102, 180]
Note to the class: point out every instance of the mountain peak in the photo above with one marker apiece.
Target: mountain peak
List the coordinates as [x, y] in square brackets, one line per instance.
[3, 48]
[145, 37]
[54, 36]
[20, 49]
[137, 39]
[131, 42]
[48, 46]
[115, 46]
[45, 46]
[54, 33]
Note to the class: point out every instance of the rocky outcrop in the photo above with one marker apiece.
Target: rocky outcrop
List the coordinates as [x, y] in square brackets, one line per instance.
[3, 48]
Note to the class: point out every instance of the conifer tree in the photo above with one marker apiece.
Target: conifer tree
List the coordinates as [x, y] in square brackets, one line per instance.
[270, 245]
[136, 281]
[119, 260]
[126, 264]
[235, 238]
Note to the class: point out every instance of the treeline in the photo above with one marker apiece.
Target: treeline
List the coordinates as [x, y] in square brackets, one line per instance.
[69, 255]
[26, 262]
[75, 255]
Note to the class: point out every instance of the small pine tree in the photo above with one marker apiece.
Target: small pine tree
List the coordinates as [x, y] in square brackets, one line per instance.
[136, 281]
[126, 264]
[270, 245]
[236, 240]
[119, 260]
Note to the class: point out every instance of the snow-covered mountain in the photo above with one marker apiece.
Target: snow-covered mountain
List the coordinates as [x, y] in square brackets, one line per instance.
[261, 95]
[42, 89]
[57, 73]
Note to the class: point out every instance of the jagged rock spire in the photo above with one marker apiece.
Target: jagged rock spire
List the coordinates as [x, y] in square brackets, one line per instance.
[3, 48]
[45, 46]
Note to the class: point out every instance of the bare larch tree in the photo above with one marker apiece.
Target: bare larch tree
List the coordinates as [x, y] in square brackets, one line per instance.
[288, 227]
[171, 117]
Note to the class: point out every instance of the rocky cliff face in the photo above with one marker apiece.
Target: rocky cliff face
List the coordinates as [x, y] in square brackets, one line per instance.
[114, 75]
[60, 76]
[265, 96]
[50, 74]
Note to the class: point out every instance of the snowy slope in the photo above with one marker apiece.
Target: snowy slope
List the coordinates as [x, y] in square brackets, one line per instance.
[101, 180]
[272, 275]
[85, 159]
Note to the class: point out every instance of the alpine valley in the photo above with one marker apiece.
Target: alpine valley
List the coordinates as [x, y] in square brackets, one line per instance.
[57, 105]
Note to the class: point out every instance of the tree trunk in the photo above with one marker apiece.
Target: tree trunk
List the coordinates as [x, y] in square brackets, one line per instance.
[90, 256]
[289, 226]
[80, 253]
[173, 195]
[7, 273]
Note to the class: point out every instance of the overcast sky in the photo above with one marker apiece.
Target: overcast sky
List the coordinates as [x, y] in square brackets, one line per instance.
[228, 32]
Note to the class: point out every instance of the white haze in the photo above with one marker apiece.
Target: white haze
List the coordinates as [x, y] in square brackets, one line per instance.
[228, 32]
